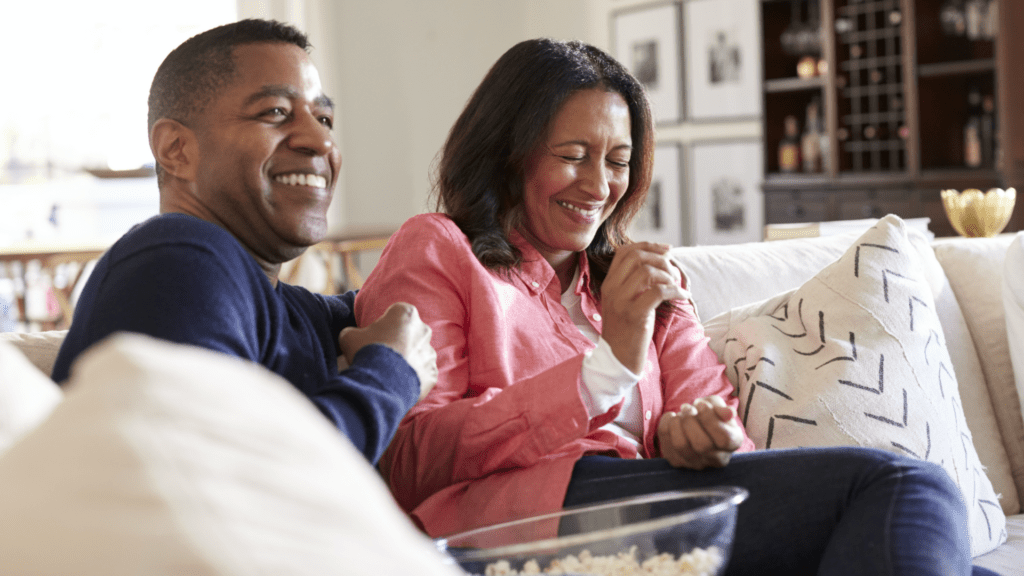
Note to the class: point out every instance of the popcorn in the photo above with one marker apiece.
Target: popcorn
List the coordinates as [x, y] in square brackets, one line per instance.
[698, 562]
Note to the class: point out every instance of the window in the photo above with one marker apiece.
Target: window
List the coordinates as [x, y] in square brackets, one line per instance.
[77, 76]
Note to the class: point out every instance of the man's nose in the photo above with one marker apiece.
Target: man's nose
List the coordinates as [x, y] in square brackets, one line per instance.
[310, 135]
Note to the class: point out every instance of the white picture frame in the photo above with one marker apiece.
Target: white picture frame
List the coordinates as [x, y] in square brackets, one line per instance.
[646, 40]
[660, 219]
[726, 195]
[723, 61]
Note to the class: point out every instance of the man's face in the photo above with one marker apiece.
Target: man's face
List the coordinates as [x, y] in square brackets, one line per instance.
[267, 159]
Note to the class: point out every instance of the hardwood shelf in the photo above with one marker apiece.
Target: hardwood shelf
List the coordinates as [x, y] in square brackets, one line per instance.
[784, 85]
[959, 68]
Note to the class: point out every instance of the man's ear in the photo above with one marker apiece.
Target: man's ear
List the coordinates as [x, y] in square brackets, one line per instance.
[175, 148]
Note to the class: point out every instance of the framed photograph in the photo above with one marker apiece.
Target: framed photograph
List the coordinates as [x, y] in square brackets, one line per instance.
[660, 219]
[647, 42]
[723, 62]
[727, 203]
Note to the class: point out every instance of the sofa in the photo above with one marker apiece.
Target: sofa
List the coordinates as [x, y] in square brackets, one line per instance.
[161, 459]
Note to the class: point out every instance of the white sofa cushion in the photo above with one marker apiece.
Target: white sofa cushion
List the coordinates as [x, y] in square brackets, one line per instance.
[724, 280]
[857, 356]
[165, 459]
[1013, 306]
[974, 267]
[27, 396]
[40, 348]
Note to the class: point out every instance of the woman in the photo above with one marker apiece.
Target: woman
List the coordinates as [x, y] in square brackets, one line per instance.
[572, 368]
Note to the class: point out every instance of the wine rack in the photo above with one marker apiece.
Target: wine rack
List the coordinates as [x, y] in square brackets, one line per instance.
[915, 97]
[872, 130]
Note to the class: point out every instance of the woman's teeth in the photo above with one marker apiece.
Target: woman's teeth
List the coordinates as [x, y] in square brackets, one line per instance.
[591, 212]
[302, 180]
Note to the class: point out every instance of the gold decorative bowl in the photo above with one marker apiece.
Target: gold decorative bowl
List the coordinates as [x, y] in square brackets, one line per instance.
[974, 213]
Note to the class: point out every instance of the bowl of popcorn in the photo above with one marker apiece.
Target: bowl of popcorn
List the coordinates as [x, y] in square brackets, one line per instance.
[679, 533]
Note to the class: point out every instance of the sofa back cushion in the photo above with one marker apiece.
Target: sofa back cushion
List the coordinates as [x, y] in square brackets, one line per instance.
[1013, 304]
[974, 267]
[40, 348]
[27, 396]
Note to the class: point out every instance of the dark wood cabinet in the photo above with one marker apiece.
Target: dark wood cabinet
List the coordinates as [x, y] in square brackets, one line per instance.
[897, 85]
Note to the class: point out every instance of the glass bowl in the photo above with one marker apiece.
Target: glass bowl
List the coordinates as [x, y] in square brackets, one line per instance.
[686, 532]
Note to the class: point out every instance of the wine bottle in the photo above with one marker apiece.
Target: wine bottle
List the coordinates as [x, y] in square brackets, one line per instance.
[972, 130]
[987, 135]
[810, 142]
[789, 147]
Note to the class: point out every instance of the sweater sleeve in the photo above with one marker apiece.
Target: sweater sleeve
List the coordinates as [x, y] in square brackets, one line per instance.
[367, 399]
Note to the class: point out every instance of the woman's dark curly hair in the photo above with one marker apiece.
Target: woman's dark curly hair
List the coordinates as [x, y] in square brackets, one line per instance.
[481, 172]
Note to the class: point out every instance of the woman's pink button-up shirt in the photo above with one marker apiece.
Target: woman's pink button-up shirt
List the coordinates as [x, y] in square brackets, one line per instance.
[498, 436]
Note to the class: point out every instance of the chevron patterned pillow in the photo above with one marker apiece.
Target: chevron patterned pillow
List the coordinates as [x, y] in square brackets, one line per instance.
[856, 356]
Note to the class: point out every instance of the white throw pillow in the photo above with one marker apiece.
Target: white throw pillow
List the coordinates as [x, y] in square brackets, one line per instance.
[857, 356]
[27, 396]
[1013, 304]
[165, 459]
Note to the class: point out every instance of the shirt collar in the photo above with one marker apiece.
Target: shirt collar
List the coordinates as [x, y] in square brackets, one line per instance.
[537, 274]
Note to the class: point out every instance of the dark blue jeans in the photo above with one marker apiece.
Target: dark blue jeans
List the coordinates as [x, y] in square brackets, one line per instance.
[835, 511]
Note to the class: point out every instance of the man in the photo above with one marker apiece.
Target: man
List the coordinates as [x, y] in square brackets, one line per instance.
[246, 165]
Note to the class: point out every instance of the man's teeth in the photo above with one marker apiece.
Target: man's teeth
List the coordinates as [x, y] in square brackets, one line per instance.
[590, 212]
[302, 180]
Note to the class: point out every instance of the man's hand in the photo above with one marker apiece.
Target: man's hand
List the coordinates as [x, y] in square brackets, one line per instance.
[701, 435]
[400, 329]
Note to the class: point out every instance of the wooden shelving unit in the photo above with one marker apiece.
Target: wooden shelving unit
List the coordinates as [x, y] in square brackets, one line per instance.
[894, 90]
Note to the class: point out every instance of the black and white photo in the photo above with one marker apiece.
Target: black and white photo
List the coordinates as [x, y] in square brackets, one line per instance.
[727, 204]
[647, 41]
[723, 71]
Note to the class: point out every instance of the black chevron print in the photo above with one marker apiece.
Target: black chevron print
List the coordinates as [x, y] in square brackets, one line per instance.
[928, 446]
[933, 338]
[885, 282]
[750, 397]
[856, 255]
[881, 379]
[771, 425]
[920, 302]
[893, 422]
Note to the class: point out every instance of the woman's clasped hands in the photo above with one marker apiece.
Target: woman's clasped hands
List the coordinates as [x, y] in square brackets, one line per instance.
[642, 276]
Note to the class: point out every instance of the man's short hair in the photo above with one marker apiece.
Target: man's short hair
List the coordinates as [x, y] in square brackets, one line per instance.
[190, 76]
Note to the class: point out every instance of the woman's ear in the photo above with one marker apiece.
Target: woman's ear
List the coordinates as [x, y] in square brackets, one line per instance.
[175, 148]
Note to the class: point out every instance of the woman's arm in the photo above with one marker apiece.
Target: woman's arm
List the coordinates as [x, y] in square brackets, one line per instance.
[699, 426]
[472, 423]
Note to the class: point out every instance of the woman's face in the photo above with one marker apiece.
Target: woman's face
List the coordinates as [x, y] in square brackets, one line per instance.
[577, 174]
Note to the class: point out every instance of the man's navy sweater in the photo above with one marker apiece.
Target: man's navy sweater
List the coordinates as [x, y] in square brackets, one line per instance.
[185, 280]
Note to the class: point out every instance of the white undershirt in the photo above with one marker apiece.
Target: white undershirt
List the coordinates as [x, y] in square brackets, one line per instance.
[606, 381]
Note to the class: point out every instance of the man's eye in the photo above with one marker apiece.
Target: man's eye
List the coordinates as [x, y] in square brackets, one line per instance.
[619, 163]
[573, 158]
[327, 121]
[275, 111]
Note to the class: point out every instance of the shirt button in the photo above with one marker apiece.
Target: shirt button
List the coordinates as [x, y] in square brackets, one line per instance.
[535, 284]
[597, 317]
[648, 415]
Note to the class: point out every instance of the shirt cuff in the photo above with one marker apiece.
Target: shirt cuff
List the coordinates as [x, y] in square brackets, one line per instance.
[605, 379]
